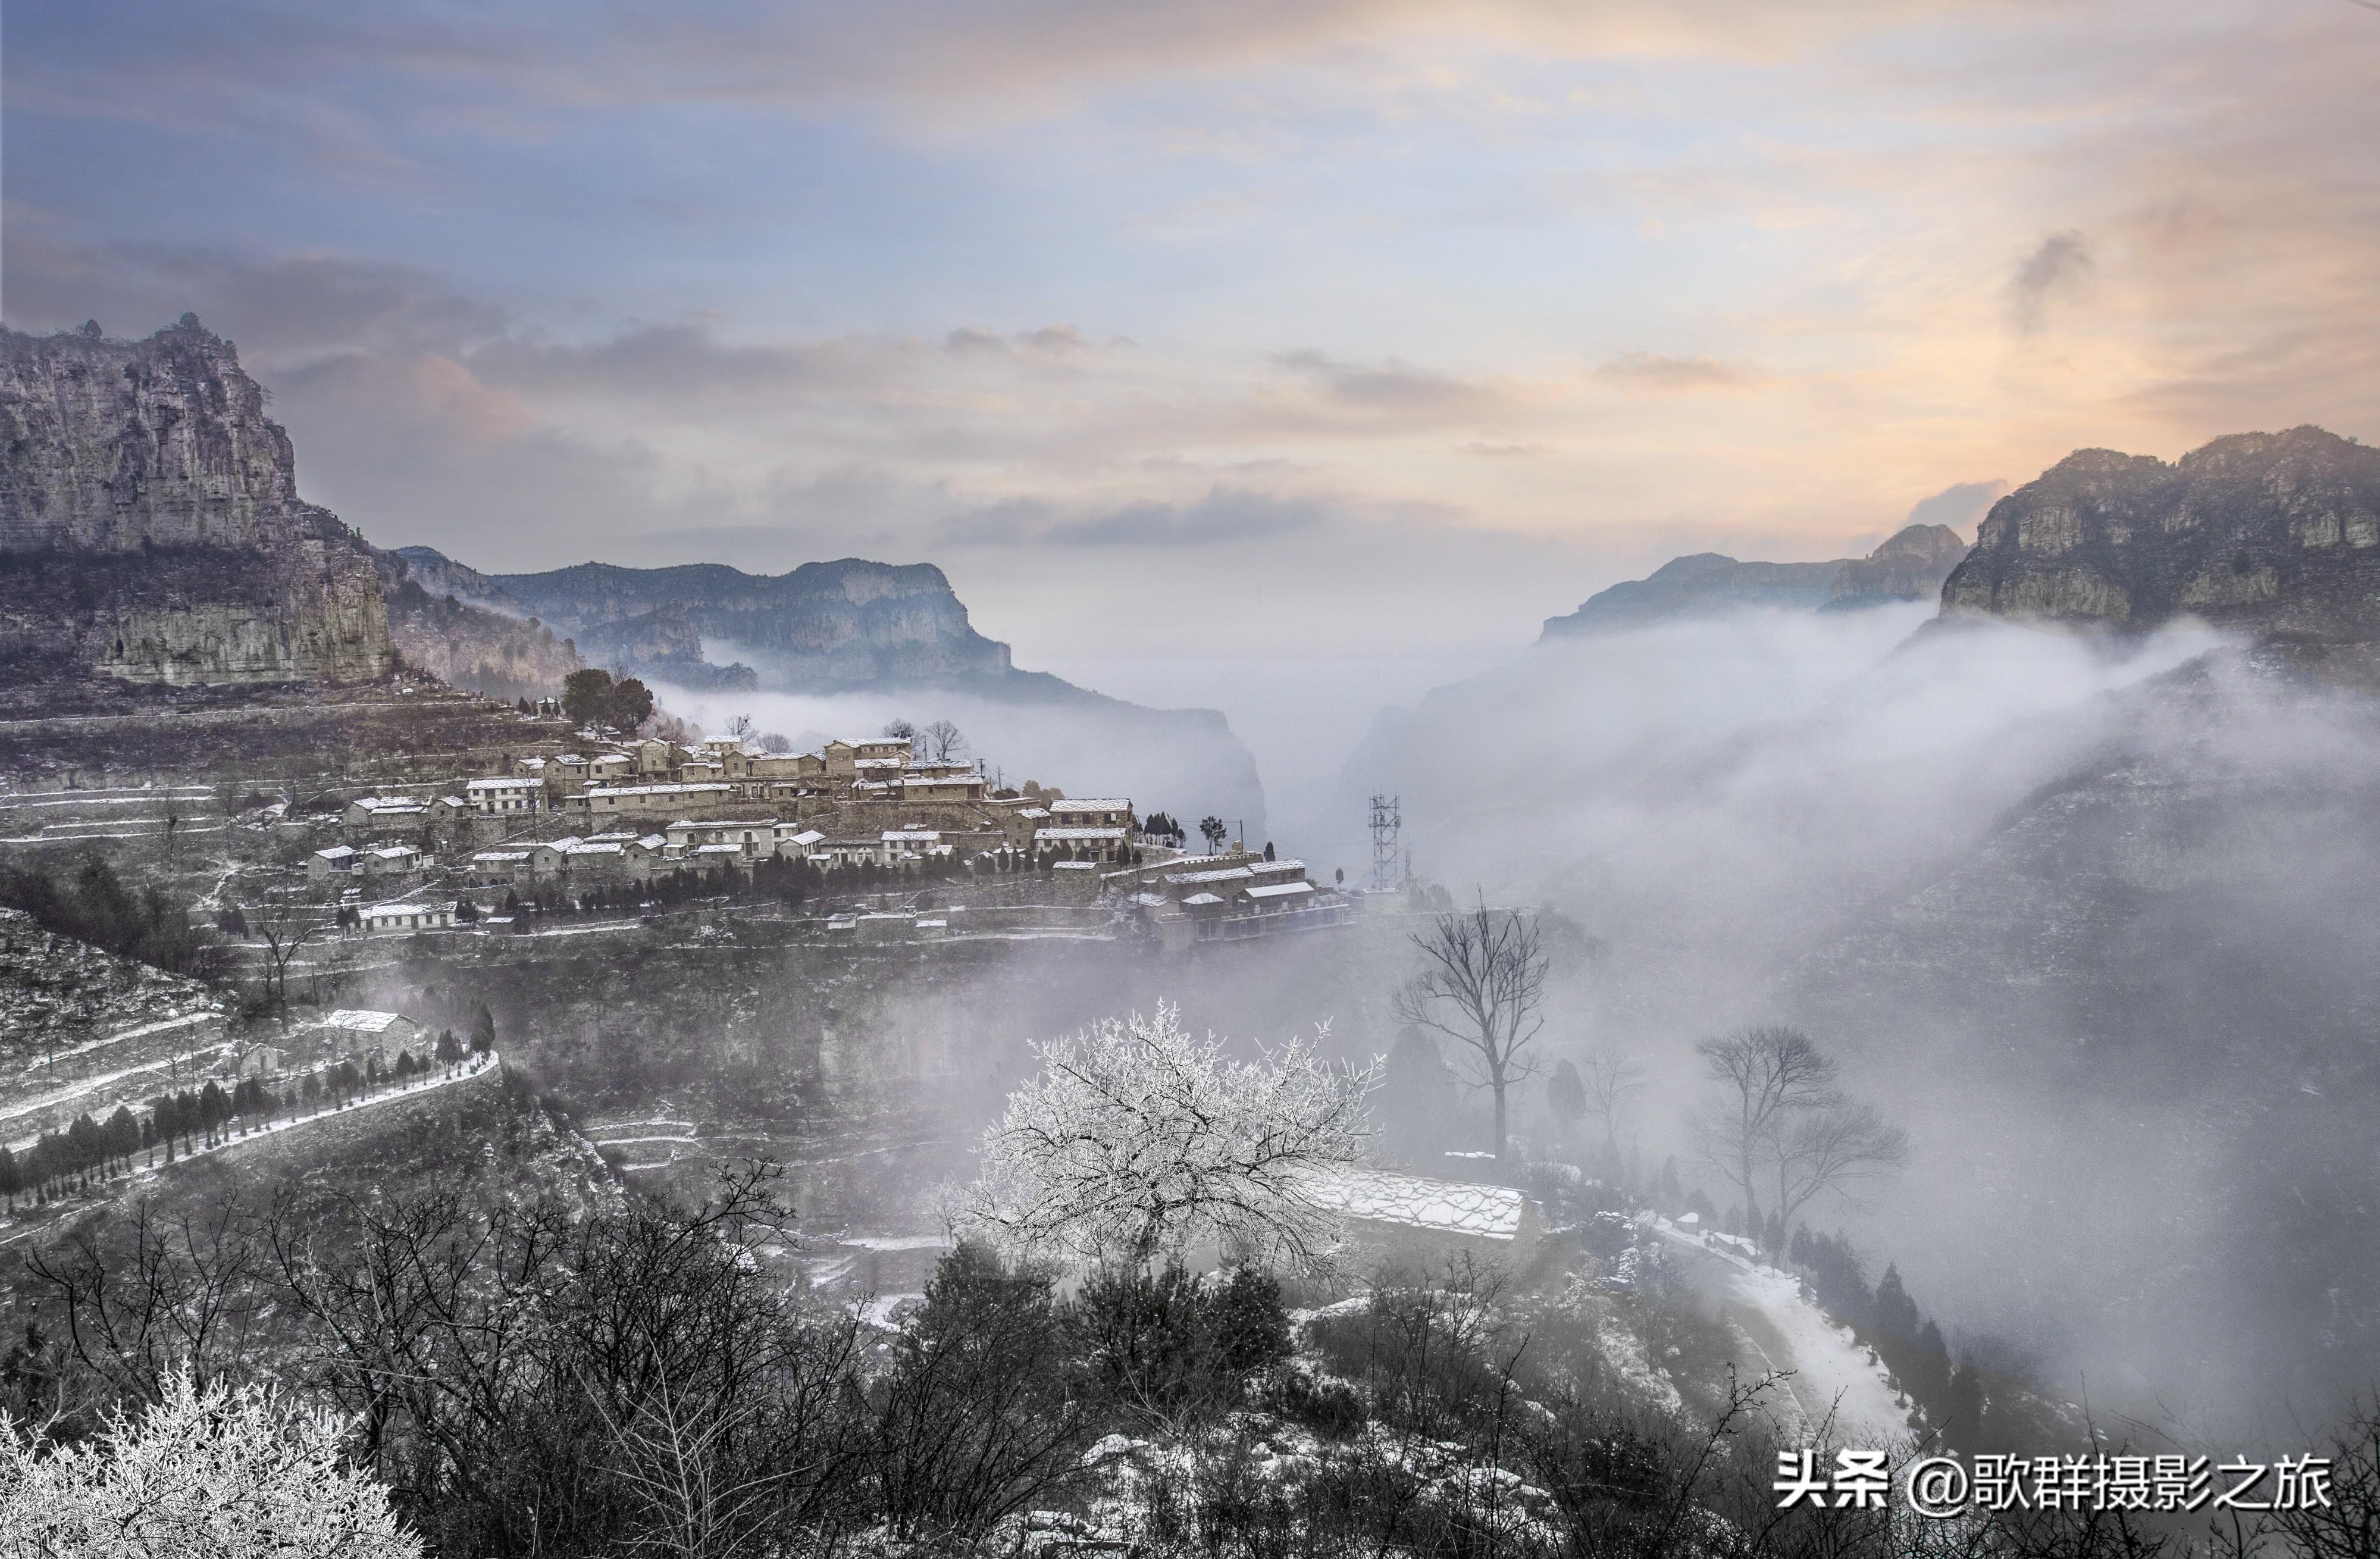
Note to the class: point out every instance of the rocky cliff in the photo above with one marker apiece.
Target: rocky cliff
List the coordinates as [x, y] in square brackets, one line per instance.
[1909, 566]
[2278, 533]
[151, 528]
[826, 625]
[469, 647]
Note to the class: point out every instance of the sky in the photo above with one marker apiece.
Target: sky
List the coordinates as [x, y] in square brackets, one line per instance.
[1283, 358]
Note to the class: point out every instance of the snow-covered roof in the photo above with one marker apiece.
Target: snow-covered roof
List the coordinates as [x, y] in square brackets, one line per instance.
[877, 762]
[1280, 890]
[725, 822]
[1078, 834]
[336, 852]
[806, 836]
[500, 857]
[704, 787]
[1091, 804]
[388, 803]
[1220, 874]
[912, 836]
[617, 837]
[363, 1020]
[1075, 865]
[1381, 1195]
[1202, 898]
[1260, 866]
[718, 849]
[395, 852]
[500, 784]
[1033, 811]
[651, 842]
[589, 847]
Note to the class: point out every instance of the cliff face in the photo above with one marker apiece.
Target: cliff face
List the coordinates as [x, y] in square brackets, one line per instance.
[2279, 533]
[848, 624]
[151, 528]
[469, 647]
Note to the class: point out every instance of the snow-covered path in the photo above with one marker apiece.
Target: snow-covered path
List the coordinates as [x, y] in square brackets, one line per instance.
[1831, 1374]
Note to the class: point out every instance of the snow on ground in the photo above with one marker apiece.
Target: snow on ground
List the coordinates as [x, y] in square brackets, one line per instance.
[1455, 1206]
[143, 1031]
[479, 1067]
[1832, 1375]
[105, 1083]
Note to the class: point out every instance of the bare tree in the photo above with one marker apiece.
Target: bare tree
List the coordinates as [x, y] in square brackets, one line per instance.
[1610, 1077]
[900, 730]
[1482, 980]
[941, 741]
[284, 928]
[1832, 1149]
[741, 727]
[1779, 1112]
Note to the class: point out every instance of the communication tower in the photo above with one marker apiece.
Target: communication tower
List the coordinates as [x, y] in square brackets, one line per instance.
[1388, 860]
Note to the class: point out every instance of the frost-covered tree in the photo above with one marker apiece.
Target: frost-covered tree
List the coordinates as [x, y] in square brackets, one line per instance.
[1137, 1140]
[225, 1473]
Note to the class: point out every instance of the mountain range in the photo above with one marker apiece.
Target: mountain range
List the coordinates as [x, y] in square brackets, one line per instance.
[2066, 865]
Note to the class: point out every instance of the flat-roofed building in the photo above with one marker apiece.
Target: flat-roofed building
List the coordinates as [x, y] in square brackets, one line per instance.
[385, 814]
[652, 803]
[958, 785]
[1091, 811]
[404, 915]
[510, 797]
[1082, 844]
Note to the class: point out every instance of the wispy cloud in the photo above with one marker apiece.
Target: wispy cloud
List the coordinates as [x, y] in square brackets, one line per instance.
[1650, 370]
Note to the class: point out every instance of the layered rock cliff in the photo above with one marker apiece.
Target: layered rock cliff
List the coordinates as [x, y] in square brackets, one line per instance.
[2278, 533]
[151, 528]
[825, 625]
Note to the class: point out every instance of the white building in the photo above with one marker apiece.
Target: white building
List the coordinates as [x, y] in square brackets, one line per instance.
[401, 916]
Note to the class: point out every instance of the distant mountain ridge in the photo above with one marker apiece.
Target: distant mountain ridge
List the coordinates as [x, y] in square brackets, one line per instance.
[1909, 565]
[848, 624]
[853, 626]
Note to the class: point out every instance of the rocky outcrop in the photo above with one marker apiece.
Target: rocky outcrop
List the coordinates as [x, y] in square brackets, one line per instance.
[826, 625]
[1909, 565]
[471, 647]
[2278, 533]
[440, 574]
[665, 645]
[151, 528]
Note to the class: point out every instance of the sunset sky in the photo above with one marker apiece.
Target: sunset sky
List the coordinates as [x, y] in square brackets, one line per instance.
[1363, 332]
